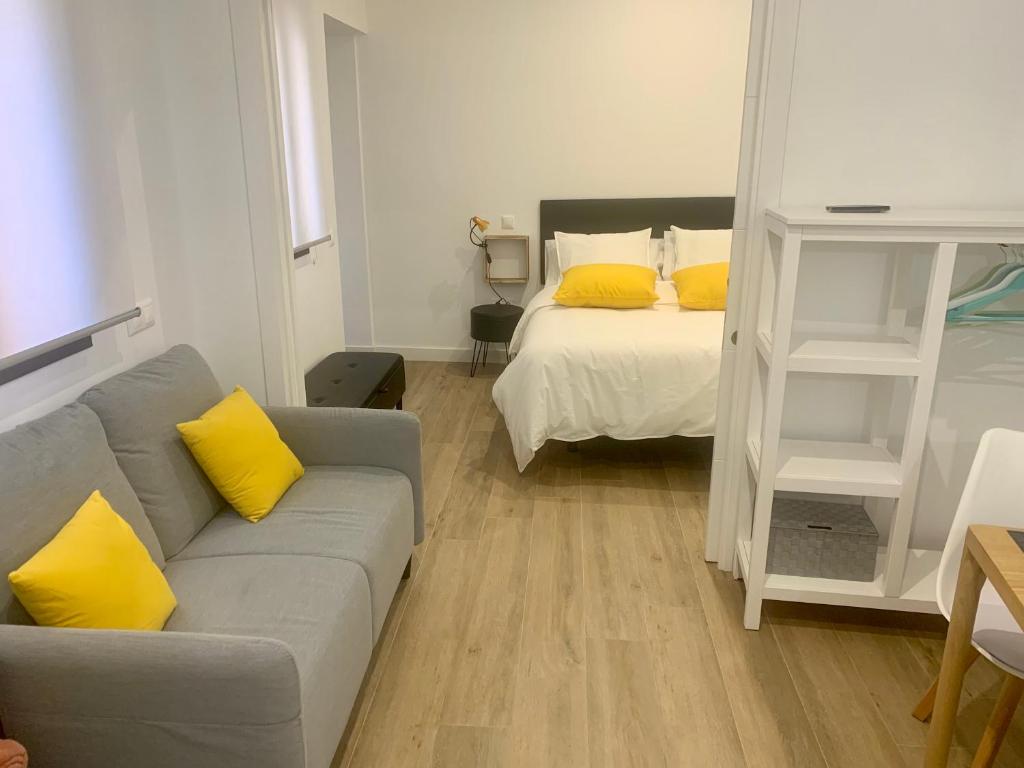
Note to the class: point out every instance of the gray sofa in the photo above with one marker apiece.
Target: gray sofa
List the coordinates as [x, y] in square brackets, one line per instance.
[260, 664]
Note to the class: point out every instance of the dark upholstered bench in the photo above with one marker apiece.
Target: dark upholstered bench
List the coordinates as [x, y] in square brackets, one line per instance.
[357, 380]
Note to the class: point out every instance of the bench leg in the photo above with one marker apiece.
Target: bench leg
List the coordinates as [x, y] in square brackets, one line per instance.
[408, 570]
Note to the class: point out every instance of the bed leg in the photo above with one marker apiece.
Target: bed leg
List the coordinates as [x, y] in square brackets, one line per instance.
[574, 447]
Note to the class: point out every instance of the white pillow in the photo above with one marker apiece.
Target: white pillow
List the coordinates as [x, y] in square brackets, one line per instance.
[656, 255]
[553, 275]
[699, 246]
[668, 254]
[614, 248]
[659, 251]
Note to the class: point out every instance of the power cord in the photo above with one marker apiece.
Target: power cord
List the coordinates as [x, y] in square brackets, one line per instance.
[481, 242]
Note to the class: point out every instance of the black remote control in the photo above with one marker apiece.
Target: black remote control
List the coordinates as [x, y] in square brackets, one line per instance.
[857, 208]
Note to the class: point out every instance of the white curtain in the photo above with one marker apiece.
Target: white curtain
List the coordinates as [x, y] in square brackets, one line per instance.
[63, 254]
[299, 33]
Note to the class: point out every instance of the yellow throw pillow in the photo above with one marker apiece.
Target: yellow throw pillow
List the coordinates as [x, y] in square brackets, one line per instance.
[703, 286]
[240, 451]
[616, 286]
[94, 574]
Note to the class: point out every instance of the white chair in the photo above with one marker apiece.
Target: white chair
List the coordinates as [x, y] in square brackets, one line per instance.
[994, 494]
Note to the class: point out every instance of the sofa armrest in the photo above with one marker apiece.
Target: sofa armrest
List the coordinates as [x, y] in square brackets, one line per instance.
[356, 437]
[180, 677]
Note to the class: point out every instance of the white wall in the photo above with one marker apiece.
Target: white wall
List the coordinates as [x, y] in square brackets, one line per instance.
[919, 105]
[319, 321]
[183, 200]
[488, 107]
[351, 13]
[317, 281]
[346, 141]
[206, 274]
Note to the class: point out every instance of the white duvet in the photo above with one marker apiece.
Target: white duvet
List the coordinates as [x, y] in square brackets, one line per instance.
[626, 373]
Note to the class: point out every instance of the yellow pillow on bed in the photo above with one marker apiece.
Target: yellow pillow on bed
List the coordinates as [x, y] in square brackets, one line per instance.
[703, 286]
[615, 286]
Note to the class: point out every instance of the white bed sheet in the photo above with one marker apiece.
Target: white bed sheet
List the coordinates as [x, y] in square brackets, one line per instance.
[626, 373]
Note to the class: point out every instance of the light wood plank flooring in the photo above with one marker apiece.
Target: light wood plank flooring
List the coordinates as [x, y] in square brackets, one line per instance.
[566, 617]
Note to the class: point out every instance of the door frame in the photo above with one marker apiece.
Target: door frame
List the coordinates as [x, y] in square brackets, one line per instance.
[770, 61]
[252, 32]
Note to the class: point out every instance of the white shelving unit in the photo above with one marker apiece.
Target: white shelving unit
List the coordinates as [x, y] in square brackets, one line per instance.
[904, 577]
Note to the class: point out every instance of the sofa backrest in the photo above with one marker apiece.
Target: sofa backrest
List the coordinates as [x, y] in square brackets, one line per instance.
[140, 410]
[48, 468]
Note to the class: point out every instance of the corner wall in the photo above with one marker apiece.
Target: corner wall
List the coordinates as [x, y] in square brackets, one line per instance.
[487, 108]
[347, 148]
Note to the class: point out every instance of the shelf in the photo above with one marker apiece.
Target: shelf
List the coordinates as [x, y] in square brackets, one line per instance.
[876, 356]
[899, 225]
[935, 218]
[918, 593]
[815, 466]
[510, 259]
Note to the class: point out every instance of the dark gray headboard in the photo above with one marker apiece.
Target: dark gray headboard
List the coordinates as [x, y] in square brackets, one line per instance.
[591, 217]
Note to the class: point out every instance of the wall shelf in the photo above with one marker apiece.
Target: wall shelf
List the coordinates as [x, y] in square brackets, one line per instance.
[510, 259]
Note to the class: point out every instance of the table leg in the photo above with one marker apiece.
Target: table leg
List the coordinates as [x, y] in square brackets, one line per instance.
[999, 722]
[956, 659]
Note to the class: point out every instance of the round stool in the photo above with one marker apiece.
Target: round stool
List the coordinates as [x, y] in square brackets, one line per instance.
[491, 323]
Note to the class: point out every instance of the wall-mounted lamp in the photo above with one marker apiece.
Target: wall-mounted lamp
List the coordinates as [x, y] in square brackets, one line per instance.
[477, 227]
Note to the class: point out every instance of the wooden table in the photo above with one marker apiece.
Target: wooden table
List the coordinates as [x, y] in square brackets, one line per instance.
[989, 553]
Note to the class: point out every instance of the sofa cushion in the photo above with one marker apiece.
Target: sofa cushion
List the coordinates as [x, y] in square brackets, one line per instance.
[240, 451]
[48, 468]
[319, 607]
[94, 574]
[362, 514]
[140, 410]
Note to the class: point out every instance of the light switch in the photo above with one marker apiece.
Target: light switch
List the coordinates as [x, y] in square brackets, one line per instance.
[146, 320]
[508, 221]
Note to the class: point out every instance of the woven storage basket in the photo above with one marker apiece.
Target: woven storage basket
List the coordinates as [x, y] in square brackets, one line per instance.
[822, 539]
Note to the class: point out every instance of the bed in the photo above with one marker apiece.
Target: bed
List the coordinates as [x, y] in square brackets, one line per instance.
[628, 374]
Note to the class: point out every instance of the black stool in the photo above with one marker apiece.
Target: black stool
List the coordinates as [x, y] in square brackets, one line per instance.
[491, 323]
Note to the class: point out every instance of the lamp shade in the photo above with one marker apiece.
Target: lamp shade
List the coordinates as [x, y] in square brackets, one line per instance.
[481, 224]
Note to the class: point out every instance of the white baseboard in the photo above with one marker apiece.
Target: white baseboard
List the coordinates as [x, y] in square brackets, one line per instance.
[434, 354]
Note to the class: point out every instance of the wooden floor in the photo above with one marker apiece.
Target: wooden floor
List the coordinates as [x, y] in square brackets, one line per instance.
[566, 617]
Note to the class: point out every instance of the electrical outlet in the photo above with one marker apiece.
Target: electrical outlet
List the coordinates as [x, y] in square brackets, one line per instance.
[146, 320]
[508, 221]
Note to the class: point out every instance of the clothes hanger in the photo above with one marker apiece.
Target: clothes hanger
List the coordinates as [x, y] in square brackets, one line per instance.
[1014, 260]
[1003, 282]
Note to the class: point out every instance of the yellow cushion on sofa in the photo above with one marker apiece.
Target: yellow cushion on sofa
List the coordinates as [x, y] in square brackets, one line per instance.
[94, 574]
[703, 286]
[240, 451]
[615, 286]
